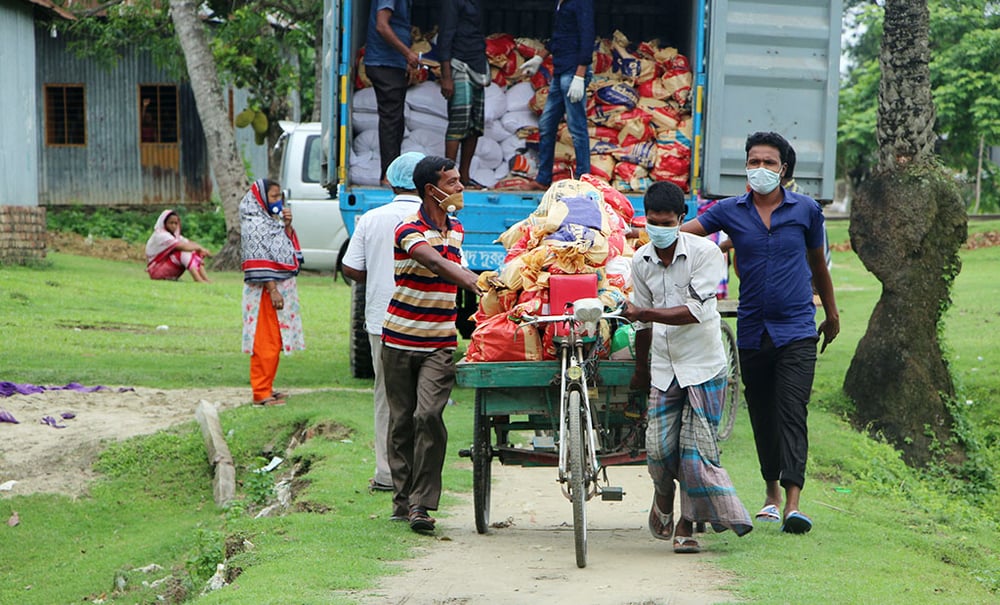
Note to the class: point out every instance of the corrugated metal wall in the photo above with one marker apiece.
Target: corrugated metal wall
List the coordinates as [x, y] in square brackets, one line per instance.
[108, 170]
[18, 131]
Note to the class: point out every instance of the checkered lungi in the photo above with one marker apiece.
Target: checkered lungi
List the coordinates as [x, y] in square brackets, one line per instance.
[681, 445]
[465, 108]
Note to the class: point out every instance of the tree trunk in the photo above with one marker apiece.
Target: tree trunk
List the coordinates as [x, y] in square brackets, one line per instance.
[907, 224]
[219, 136]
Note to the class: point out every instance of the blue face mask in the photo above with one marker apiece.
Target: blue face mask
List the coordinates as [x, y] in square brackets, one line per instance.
[662, 237]
[275, 207]
[762, 180]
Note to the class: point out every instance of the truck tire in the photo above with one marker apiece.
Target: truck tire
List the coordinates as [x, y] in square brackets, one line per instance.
[360, 349]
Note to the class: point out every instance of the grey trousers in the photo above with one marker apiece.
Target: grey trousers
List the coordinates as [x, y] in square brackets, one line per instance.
[417, 385]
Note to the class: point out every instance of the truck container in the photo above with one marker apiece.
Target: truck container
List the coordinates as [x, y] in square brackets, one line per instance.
[757, 66]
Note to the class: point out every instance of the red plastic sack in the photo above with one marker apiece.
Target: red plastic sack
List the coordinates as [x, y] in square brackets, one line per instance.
[497, 338]
[498, 47]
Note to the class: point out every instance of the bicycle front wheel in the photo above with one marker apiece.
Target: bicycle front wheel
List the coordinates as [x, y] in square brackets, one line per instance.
[577, 475]
[731, 399]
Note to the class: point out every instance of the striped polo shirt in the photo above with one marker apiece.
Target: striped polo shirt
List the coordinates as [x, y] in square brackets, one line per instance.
[421, 314]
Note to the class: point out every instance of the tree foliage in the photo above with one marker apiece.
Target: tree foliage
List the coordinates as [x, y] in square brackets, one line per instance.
[965, 80]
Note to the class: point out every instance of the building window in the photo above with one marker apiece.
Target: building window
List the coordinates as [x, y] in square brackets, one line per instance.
[65, 115]
[158, 114]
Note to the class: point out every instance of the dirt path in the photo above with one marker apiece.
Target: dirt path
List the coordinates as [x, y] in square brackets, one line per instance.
[533, 559]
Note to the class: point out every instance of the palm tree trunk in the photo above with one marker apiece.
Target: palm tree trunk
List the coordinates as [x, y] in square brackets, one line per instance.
[907, 224]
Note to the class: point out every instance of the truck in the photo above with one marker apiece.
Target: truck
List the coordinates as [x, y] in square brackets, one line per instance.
[756, 66]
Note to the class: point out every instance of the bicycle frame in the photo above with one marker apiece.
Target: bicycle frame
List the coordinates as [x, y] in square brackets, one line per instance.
[573, 377]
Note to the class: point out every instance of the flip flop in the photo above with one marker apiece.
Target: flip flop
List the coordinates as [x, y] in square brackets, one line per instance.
[269, 402]
[796, 523]
[769, 514]
[660, 525]
[686, 545]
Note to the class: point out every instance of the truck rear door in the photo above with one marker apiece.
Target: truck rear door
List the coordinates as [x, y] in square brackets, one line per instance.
[771, 67]
[336, 16]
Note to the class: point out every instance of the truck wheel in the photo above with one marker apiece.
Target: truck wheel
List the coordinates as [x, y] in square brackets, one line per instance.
[360, 349]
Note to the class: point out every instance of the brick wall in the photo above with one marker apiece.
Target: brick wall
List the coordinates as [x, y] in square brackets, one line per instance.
[22, 234]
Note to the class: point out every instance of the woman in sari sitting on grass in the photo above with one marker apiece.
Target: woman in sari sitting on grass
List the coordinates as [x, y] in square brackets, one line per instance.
[169, 254]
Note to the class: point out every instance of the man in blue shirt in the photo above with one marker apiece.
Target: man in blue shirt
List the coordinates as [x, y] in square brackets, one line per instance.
[572, 49]
[388, 59]
[778, 237]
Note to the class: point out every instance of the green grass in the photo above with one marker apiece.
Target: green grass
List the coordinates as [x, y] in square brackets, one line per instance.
[884, 533]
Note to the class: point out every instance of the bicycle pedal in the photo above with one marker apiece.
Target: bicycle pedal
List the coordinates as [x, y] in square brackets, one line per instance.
[612, 494]
[543, 443]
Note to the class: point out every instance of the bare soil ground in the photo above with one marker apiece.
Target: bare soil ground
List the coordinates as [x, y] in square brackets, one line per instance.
[46, 459]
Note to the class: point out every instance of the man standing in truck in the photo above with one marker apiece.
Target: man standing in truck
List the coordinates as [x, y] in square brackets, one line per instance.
[388, 61]
[461, 47]
[368, 260]
[778, 238]
[572, 49]
[419, 339]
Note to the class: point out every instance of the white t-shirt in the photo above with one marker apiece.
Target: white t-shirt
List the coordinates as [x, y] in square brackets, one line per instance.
[693, 352]
[371, 250]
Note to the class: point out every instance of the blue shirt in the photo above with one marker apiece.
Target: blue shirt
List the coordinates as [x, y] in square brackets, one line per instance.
[377, 51]
[775, 277]
[572, 41]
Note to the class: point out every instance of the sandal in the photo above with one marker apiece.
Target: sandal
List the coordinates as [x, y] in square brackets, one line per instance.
[279, 395]
[269, 402]
[660, 525]
[796, 523]
[686, 545]
[375, 486]
[769, 514]
[420, 520]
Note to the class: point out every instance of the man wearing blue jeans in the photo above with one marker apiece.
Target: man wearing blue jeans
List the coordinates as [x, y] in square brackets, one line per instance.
[778, 237]
[571, 47]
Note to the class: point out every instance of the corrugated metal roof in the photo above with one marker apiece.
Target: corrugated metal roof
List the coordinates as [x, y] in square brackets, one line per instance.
[47, 4]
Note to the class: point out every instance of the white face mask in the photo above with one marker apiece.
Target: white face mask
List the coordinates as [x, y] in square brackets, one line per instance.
[662, 237]
[762, 180]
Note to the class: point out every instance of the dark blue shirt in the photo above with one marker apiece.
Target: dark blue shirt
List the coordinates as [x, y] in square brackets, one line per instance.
[775, 277]
[377, 50]
[461, 36]
[572, 41]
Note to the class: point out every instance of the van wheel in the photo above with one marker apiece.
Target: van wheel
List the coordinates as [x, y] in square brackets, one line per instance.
[360, 349]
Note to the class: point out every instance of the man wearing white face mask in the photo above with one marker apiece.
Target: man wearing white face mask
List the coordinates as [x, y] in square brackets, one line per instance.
[680, 362]
[778, 237]
[419, 339]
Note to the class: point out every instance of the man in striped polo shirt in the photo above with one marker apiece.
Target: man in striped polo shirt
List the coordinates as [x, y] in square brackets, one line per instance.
[419, 339]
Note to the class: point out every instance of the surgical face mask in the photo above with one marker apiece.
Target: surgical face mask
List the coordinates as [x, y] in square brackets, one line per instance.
[662, 237]
[451, 203]
[762, 180]
[276, 206]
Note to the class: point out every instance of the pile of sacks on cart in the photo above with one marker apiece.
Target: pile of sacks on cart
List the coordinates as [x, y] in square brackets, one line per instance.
[638, 110]
[578, 243]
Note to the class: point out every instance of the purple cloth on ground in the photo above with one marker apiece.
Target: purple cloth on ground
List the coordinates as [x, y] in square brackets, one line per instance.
[6, 416]
[49, 420]
[12, 388]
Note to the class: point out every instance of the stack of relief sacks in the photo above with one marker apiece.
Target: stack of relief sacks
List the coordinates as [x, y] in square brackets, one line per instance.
[638, 111]
[580, 226]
